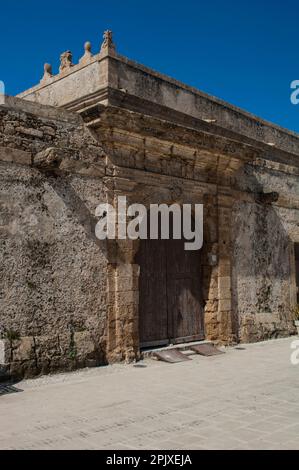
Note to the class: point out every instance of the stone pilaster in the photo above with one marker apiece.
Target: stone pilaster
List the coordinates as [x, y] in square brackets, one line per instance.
[122, 338]
[123, 298]
[227, 327]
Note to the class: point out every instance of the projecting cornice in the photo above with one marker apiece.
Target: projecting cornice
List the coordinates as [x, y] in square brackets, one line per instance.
[110, 79]
[193, 134]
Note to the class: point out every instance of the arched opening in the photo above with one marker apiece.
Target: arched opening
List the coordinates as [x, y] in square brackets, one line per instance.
[170, 292]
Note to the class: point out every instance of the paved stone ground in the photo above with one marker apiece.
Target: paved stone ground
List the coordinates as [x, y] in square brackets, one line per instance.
[245, 399]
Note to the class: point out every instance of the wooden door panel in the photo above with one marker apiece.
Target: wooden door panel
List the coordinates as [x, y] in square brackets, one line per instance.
[152, 289]
[153, 310]
[185, 306]
[185, 309]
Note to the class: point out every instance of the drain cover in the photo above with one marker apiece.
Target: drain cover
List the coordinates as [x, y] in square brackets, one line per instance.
[206, 350]
[171, 355]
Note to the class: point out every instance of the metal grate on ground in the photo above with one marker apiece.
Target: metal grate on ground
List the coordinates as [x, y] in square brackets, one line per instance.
[6, 389]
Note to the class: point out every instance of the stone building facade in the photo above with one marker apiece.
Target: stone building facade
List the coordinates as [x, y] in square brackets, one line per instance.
[108, 127]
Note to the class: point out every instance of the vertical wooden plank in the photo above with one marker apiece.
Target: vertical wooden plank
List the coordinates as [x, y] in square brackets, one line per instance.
[153, 299]
[185, 306]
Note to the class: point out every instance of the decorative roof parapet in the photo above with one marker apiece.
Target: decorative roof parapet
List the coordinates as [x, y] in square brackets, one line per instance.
[108, 44]
[66, 61]
[66, 58]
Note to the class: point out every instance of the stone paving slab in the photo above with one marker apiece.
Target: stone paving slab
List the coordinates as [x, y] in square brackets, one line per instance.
[244, 399]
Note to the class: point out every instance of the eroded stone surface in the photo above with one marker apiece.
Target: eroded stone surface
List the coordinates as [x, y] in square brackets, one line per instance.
[68, 300]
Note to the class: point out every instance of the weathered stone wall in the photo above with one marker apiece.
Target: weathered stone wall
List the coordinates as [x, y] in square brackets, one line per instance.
[52, 268]
[263, 238]
[68, 300]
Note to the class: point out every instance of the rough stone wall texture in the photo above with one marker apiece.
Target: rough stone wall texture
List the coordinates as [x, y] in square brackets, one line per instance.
[67, 300]
[263, 236]
[52, 269]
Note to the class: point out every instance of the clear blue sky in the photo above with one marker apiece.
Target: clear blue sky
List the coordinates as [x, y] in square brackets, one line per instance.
[245, 52]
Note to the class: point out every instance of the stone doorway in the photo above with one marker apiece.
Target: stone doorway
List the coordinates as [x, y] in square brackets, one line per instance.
[170, 293]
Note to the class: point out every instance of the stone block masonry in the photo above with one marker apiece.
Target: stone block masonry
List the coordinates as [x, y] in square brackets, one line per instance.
[108, 127]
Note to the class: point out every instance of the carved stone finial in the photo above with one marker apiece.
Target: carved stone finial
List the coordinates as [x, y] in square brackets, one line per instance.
[87, 46]
[87, 55]
[47, 72]
[48, 69]
[108, 44]
[65, 61]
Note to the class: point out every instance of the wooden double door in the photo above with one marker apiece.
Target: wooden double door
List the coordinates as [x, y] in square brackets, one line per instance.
[170, 293]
